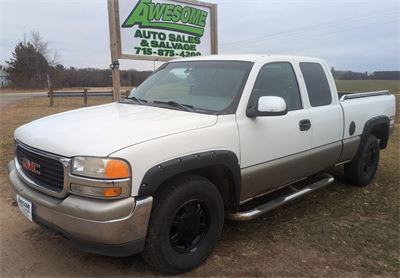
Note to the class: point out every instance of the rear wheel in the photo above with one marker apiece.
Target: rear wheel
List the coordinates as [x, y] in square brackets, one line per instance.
[362, 170]
[185, 224]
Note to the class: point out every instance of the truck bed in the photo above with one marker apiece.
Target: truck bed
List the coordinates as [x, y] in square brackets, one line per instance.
[352, 95]
[358, 108]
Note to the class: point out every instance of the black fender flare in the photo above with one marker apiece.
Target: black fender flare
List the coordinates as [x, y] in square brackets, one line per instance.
[160, 173]
[369, 125]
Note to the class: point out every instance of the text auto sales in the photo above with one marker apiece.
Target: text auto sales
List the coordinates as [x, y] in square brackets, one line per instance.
[167, 45]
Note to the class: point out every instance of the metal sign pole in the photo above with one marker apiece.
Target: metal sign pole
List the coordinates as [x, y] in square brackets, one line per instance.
[114, 51]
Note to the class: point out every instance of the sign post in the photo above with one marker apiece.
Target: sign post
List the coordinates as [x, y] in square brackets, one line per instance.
[160, 30]
[114, 47]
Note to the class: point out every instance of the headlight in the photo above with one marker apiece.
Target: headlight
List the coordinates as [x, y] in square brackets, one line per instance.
[100, 168]
[104, 177]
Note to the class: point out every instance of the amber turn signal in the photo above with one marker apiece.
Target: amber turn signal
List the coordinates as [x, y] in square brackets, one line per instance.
[116, 169]
[112, 192]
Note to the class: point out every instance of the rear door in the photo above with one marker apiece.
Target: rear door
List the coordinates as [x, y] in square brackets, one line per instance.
[325, 114]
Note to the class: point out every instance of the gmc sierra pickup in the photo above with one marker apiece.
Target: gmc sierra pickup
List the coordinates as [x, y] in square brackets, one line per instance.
[201, 139]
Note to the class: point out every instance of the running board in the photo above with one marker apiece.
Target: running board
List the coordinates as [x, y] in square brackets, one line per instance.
[325, 180]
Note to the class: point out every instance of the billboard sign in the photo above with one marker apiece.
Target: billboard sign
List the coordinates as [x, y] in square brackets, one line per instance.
[161, 30]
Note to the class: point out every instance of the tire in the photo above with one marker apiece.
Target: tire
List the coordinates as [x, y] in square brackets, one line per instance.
[185, 225]
[362, 170]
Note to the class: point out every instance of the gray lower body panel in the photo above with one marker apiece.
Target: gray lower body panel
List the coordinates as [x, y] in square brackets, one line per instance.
[350, 148]
[108, 224]
[324, 180]
[269, 176]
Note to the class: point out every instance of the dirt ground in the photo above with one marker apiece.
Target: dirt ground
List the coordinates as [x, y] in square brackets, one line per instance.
[339, 231]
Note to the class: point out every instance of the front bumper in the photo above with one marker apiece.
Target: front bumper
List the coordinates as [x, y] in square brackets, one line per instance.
[109, 227]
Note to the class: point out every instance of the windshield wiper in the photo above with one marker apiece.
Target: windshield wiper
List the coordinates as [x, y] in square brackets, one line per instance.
[184, 107]
[138, 100]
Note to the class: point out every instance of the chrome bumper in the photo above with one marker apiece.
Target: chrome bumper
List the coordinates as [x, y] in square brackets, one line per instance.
[109, 227]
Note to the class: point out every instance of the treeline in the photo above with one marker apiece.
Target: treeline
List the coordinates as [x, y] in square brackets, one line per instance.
[34, 66]
[92, 77]
[376, 75]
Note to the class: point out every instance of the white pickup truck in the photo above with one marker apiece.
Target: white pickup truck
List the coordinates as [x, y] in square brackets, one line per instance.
[201, 139]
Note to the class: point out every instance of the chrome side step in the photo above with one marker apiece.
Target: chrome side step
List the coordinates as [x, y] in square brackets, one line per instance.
[325, 180]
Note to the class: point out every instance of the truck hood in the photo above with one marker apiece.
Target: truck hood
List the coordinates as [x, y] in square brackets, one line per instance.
[102, 130]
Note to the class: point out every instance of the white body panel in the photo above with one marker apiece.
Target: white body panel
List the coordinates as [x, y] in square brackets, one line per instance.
[267, 138]
[327, 121]
[147, 136]
[221, 136]
[101, 130]
[360, 110]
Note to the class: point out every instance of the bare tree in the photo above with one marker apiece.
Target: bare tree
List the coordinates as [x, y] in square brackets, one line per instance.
[39, 43]
[55, 60]
[42, 47]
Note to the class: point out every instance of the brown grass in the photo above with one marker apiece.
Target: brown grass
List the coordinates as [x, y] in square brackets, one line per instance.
[28, 110]
[368, 85]
[73, 89]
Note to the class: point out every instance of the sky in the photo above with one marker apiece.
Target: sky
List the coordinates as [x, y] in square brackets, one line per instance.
[349, 34]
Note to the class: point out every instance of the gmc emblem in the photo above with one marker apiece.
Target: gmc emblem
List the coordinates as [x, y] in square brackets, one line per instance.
[30, 166]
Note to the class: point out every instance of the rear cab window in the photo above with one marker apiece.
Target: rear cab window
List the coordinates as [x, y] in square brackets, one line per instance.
[317, 84]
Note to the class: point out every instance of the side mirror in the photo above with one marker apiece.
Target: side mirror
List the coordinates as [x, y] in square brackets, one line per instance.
[268, 106]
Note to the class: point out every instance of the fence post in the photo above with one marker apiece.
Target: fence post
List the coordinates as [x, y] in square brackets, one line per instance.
[85, 96]
[51, 96]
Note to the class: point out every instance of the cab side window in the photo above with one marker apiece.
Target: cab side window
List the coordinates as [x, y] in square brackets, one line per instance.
[317, 85]
[277, 79]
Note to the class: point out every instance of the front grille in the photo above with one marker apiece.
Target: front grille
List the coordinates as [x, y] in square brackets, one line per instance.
[48, 173]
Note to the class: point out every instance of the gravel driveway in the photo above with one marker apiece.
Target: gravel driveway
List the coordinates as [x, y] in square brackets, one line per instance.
[8, 98]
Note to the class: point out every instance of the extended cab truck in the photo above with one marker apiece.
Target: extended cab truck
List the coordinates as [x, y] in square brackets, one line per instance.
[201, 139]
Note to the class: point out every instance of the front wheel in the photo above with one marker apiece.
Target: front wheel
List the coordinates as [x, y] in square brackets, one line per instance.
[362, 170]
[185, 225]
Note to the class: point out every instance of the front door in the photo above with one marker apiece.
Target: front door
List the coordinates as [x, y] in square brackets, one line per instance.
[273, 148]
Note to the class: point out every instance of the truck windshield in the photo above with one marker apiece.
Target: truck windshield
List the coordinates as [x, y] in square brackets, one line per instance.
[203, 86]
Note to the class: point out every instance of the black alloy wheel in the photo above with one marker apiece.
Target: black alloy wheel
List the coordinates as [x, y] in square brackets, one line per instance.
[370, 160]
[185, 224]
[189, 227]
[363, 168]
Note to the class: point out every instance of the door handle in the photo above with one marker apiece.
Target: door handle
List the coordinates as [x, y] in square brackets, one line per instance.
[305, 125]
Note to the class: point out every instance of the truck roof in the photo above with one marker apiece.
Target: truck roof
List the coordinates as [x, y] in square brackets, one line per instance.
[249, 58]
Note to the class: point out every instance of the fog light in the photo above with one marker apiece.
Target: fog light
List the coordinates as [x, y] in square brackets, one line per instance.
[102, 192]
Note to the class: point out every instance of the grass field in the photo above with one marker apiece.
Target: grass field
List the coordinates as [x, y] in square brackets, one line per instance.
[368, 85]
[340, 230]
